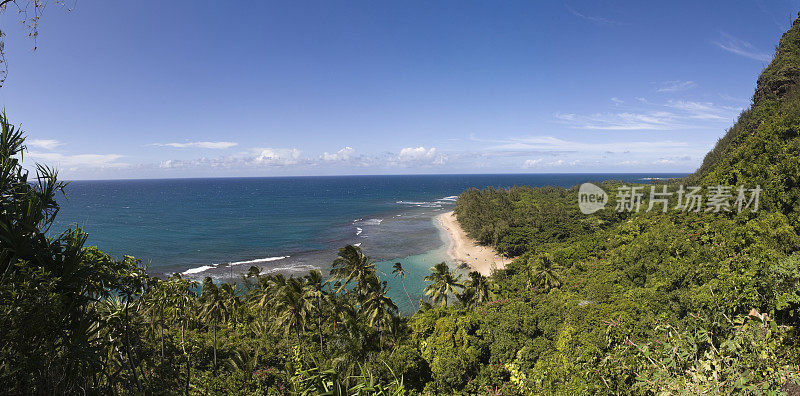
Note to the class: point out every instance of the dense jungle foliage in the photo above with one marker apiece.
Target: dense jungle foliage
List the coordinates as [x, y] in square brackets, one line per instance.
[651, 302]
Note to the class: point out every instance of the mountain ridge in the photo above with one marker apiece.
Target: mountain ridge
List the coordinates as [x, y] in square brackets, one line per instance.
[764, 144]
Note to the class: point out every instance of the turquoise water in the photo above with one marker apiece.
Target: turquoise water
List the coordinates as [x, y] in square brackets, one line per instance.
[220, 227]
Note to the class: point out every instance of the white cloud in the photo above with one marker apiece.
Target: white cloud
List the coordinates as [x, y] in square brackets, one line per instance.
[544, 152]
[673, 160]
[292, 158]
[263, 157]
[277, 157]
[594, 19]
[217, 163]
[77, 160]
[170, 164]
[741, 48]
[550, 143]
[255, 158]
[420, 155]
[44, 144]
[416, 153]
[655, 120]
[691, 106]
[505, 153]
[563, 163]
[204, 145]
[341, 155]
[532, 163]
[673, 115]
[705, 110]
[675, 86]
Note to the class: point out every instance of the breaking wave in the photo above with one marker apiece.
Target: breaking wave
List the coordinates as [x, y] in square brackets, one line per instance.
[261, 260]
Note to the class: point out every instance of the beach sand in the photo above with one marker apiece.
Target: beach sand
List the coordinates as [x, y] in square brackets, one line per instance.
[466, 250]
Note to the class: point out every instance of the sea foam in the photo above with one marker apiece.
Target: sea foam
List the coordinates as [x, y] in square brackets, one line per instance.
[430, 204]
[197, 270]
[295, 268]
[420, 204]
[368, 222]
[204, 268]
[261, 260]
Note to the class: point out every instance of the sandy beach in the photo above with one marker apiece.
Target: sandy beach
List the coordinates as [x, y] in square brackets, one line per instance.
[464, 249]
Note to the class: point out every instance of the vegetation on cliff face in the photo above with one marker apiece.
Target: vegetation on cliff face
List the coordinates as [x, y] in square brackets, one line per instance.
[676, 301]
[763, 147]
[611, 303]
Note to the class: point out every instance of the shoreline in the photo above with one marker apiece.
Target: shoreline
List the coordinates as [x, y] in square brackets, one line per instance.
[463, 249]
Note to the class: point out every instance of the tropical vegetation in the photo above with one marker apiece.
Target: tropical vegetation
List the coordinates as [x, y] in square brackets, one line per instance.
[614, 302]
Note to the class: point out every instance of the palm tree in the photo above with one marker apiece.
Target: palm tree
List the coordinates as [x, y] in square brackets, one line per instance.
[477, 287]
[292, 308]
[334, 306]
[356, 338]
[158, 298]
[112, 331]
[181, 303]
[131, 287]
[443, 283]
[352, 264]
[253, 275]
[545, 273]
[213, 308]
[314, 292]
[398, 270]
[269, 290]
[232, 301]
[243, 361]
[377, 306]
[395, 330]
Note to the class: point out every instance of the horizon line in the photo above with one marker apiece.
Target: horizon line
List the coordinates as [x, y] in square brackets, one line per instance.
[379, 175]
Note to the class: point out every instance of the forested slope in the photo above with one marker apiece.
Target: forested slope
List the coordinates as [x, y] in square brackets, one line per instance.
[648, 301]
[763, 147]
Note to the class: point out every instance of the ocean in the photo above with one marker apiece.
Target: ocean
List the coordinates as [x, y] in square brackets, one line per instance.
[221, 227]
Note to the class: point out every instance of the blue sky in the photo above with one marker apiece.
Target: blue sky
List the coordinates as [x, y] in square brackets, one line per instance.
[145, 89]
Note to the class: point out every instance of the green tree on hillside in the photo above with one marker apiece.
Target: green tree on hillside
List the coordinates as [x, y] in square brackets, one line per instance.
[50, 285]
[399, 271]
[292, 309]
[377, 306]
[545, 274]
[443, 283]
[476, 289]
[214, 308]
[315, 293]
[353, 265]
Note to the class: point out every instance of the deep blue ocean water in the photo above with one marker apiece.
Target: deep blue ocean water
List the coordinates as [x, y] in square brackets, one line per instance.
[220, 227]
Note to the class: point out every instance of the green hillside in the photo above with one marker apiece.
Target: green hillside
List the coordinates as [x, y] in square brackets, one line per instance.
[764, 144]
[653, 301]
